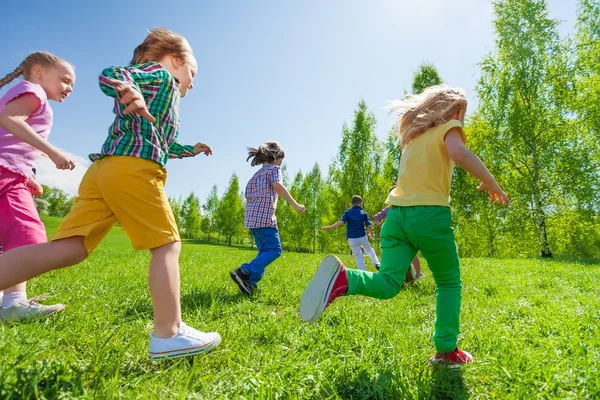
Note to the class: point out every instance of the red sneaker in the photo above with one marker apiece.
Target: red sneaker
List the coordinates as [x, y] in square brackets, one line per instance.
[454, 358]
[329, 282]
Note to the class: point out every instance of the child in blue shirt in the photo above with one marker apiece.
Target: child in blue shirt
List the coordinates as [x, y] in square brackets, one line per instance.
[356, 219]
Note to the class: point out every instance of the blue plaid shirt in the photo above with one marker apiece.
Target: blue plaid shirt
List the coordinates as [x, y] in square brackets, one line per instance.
[261, 198]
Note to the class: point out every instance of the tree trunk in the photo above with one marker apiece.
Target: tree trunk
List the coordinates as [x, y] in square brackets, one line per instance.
[543, 231]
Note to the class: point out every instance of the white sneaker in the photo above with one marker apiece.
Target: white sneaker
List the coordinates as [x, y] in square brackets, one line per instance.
[187, 342]
[28, 309]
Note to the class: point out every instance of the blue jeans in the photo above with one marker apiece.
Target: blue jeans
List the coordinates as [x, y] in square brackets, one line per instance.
[269, 249]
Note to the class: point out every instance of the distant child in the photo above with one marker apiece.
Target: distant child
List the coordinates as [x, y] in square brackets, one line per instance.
[25, 123]
[431, 129]
[356, 219]
[261, 202]
[125, 184]
[414, 272]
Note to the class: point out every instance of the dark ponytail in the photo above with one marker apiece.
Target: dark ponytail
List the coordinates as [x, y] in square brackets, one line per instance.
[266, 153]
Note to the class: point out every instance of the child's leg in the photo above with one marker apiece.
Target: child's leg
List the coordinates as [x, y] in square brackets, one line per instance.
[23, 263]
[417, 264]
[14, 294]
[439, 249]
[396, 253]
[163, 281]
[369, 249]
[269, 249]
[357, 253]
[20, 226]
[333, 280]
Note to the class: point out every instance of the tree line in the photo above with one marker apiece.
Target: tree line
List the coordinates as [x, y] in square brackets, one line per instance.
[537, 127]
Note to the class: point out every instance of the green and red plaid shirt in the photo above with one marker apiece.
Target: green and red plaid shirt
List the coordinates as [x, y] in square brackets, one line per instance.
[130, 134]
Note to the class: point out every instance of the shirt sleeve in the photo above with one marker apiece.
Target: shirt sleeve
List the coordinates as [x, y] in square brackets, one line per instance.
[111, 76]
[144, 81]
[274, 176]
[381, 214]
[26, 87]
[178, 150]
[454, 124]
[367, 220]
[345, 218]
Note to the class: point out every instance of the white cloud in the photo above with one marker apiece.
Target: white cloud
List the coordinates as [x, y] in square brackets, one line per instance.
[49, 175]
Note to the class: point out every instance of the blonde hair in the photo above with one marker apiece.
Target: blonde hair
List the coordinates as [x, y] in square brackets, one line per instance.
[41, 58]
[162, 42]
[268, 152]
[432, 107]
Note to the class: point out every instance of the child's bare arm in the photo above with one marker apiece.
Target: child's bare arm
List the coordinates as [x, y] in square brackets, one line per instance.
[283, 192]
[370, 231]
[468, 161]
[336, 225]
[13, 119]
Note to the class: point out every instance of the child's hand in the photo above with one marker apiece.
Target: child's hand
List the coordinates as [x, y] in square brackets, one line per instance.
[61, 160]
[202, 148]
[378, 223]
[496, 193]
[326, 228]
[300, 208]
[370, 236]
[34, 187]
[133, 100]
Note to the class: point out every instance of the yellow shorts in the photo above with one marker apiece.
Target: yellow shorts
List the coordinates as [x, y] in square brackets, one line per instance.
[124, 189]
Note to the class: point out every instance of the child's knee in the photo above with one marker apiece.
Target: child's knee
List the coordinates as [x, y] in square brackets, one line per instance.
[393, 286]
[74, 250]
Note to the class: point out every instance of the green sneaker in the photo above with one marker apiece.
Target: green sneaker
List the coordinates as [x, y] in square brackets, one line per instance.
[28, 309]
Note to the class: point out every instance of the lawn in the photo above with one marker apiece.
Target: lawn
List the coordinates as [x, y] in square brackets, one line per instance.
[531, 325]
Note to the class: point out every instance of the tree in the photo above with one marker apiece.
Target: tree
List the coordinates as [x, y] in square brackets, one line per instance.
[357, 167]
[425, 76]
[59, 202]
[230, 214]
[210, 210]
[41, 205]
[191, 218]
[313, 198]
[521, 100]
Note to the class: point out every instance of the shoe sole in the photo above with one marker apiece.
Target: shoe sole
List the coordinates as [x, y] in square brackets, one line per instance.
[314, 298]
[169, 355]
[240, 283]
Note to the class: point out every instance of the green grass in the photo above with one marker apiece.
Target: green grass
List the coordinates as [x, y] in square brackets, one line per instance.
[531, 325]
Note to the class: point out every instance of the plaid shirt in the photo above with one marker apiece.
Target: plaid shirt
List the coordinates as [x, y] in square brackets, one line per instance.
[133, 136]
[261, 198]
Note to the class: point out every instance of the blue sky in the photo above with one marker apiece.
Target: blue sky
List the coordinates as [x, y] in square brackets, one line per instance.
[268, 70]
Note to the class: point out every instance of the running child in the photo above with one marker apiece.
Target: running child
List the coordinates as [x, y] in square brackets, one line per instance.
[125, 184]
[25, 122]
[259, 217]
[356, 219]
[433, 140]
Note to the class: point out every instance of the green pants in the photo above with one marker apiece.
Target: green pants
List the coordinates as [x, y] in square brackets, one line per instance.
[406, 231]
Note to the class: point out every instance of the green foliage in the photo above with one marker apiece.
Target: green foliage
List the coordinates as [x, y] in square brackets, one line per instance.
[190, 214]
[57, 202]
[230, 213]
[426, 75]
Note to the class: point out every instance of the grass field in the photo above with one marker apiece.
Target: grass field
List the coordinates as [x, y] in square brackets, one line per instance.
[531, 325]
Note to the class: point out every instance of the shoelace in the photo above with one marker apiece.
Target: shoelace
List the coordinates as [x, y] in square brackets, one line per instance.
[189, 331]
[34, 300]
